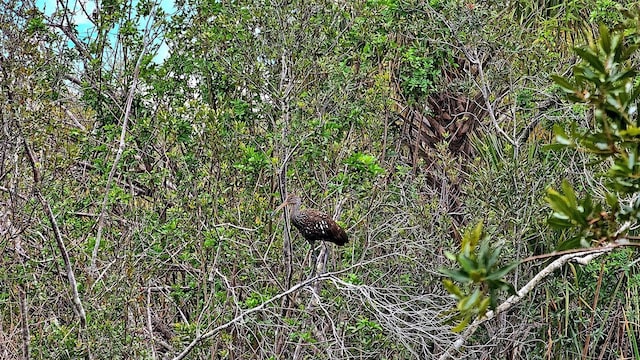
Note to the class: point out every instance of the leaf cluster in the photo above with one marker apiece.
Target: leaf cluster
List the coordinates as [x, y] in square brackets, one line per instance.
[606, 81]
[591, 223]
[480, 273]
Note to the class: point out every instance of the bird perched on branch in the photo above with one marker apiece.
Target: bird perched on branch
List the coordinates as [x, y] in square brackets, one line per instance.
[312, 224]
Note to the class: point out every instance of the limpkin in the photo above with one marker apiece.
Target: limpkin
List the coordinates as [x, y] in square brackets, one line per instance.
[313, 224]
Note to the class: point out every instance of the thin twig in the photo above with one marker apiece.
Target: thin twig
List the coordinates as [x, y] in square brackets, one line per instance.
[150, 324]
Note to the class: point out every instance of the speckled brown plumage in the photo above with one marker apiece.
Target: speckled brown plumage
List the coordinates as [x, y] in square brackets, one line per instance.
[314, 225]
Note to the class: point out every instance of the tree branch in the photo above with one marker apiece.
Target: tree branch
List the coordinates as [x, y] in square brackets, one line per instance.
[37, 177]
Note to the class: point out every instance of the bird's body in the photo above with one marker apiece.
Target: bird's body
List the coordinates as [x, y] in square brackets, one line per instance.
[314, 225]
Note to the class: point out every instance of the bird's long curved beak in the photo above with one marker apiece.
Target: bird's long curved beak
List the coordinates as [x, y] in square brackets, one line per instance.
[285, 203]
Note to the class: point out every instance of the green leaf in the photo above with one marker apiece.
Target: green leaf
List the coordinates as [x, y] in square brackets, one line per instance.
[630, 131]
[451, 256]
[612, 200]
[564, 84]
[462, 325]
[467, 264]
[457, 275]
[569, 194]
[592, 59]
[573, 243]
[561, 135]
[493, 259]
[452, 289]
[470, 301]
[471, 239]
[605, 39]
[483, 253]
[557, 223]
[484, 305]
[553, 147]
[558, 203]
[499, 274]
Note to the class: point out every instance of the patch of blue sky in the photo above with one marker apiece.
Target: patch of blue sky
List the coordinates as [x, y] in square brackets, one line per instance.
[82, 9]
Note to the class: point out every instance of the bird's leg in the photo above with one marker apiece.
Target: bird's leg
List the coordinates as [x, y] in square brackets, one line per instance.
[319, 260]
[314, 258]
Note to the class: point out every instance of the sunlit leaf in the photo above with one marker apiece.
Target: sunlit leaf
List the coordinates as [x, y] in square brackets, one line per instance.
[462, 325]
[470, 301]
[451, 256]
[569, 194]
[452, 288]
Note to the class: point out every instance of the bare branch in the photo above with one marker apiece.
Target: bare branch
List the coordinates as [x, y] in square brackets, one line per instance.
[37, 177]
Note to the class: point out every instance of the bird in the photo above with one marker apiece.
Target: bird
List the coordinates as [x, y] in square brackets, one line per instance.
[313, 224]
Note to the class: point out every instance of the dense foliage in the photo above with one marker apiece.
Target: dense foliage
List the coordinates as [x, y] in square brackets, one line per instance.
[137, 191]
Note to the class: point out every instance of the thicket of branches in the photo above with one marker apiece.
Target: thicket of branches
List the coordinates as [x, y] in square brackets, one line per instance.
[137, 193]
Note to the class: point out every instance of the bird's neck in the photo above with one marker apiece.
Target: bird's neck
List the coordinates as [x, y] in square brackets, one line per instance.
[295, 209]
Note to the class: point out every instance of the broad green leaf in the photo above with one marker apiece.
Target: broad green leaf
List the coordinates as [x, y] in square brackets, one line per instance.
[483, 253]
[467, 264]
[605, 39]
[493, 259]
[554, 222]
[558, 203]
[615, 50]
[612, 200]
[569, 194]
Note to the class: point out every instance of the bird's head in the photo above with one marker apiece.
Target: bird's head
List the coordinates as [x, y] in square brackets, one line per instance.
[292, 199]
